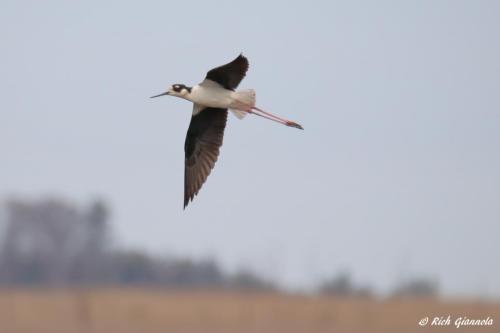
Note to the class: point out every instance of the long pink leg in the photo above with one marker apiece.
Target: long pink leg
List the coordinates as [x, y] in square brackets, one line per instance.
[272, 117]
[266, 117]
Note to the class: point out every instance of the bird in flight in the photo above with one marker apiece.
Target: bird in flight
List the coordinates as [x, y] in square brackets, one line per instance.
[211, 99]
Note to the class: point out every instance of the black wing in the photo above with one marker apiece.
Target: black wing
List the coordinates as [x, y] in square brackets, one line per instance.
[203, 140]
[230, 75]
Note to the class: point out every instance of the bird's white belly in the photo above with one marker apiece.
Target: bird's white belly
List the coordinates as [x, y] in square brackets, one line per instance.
[214, 97]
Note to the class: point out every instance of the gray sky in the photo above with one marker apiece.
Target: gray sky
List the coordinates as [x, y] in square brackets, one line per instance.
[396, 173]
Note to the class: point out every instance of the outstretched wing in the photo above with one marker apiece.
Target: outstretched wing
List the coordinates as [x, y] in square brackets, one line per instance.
[203, 140]
[229, 75]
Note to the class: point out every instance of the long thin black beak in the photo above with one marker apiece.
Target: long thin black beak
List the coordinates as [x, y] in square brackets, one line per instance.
[165, 93]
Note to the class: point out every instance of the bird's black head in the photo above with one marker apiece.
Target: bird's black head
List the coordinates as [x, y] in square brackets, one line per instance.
[178, 89]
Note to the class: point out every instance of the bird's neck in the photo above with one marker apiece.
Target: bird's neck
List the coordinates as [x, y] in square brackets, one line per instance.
[193, 93]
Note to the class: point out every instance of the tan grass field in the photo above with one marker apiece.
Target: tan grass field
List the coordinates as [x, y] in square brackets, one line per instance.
[155, 311]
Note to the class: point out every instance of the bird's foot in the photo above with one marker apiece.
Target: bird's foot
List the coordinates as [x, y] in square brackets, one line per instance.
[293, 124]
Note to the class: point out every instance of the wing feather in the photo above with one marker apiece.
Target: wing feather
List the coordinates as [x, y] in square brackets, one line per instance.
[230, 75]
[203, 141]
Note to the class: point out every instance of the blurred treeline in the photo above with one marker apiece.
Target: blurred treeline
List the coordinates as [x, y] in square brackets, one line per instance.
[54, 243]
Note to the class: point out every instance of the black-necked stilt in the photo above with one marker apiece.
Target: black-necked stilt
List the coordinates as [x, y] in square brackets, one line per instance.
[211, 100]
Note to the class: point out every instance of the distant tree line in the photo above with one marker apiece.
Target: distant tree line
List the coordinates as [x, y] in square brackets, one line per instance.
[342, 285]
[52, 242]
[55, 243]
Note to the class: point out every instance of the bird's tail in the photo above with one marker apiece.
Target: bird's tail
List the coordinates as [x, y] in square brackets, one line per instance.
[244, 100]
[239, 114]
